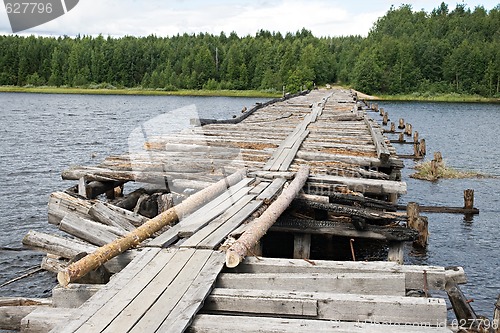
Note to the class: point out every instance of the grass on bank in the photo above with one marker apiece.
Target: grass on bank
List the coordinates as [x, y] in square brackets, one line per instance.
[428, 97]
[140, 91]
[424, 172]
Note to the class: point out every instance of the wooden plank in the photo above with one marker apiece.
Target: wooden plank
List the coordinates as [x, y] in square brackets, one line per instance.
[212, 241]
[191, 225]
[205, 323]
[435, 276]
[342, 283]
[183, 313]
[127, 307]
[73, 295]
[263, 306]
[343, 307]
[116, 284]
[272, 190]
[93, 232]
[287, 161]
[103, 213]
[200, 235]
[383, 152]
[301, 246]
[45, 319]
[259, 188]
[172, 294]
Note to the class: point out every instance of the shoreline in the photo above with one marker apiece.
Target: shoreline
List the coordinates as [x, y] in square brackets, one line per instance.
[139, 92]
[414, 97]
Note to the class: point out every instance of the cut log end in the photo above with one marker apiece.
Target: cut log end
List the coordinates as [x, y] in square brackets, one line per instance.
[63, 277]
[232, 259]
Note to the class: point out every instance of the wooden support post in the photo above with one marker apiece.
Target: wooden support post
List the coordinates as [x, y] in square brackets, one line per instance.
[469, 199]
[416, 150]
[419, 223]
[461, 307]
[415, 137]
[434, 170]
[401, 137]
[375, 107]
[496, 316]
[412, 212]
[408, 130]
[382, 112]
[401, 123]
[302, 246]
[385, 120]
[396, 252]
[422, 226]
[82, 187]
[423, 148]
[393, 127]
[438, 157]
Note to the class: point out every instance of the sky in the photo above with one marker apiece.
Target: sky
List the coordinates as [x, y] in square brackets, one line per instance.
[245, 17]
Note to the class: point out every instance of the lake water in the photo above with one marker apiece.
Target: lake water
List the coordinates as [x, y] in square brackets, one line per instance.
[44, 134]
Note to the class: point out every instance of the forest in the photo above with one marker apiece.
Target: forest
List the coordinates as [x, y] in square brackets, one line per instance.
[406, 51]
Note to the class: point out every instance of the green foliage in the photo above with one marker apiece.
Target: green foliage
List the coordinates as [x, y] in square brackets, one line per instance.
[442, 52]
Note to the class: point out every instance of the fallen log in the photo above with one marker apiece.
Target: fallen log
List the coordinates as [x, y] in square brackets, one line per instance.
[259, 227]
[103, 254]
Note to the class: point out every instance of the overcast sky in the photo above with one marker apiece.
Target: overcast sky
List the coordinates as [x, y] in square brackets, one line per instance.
[167, 18]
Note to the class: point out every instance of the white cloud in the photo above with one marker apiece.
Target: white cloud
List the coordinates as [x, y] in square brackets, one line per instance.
[167, 17]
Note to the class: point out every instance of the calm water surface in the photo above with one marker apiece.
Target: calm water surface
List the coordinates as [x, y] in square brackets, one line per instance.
[44, 134]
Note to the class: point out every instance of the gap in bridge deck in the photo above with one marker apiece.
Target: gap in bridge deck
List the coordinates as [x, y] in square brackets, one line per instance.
[323, 247]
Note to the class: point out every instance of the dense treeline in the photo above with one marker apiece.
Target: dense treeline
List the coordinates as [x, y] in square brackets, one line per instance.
[406, 51]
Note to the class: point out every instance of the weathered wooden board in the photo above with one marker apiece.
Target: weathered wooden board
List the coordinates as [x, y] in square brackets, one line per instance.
[191, 302]
[45, 319]
[205, 323]
[119, 282]
[90, 231]
[272, 189]
[130, 303]
[350, 283]
[331, 306]
[436, 276]
[226, 222]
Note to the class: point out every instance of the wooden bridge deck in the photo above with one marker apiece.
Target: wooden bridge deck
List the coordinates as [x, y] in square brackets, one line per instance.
[177, 282]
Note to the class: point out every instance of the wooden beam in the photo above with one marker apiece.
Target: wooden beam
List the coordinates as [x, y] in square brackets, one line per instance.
[301, 246]
[383, 152]
[342, 283]
[435, 276]
[204, 323]
[362, 185]
[339, 307]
